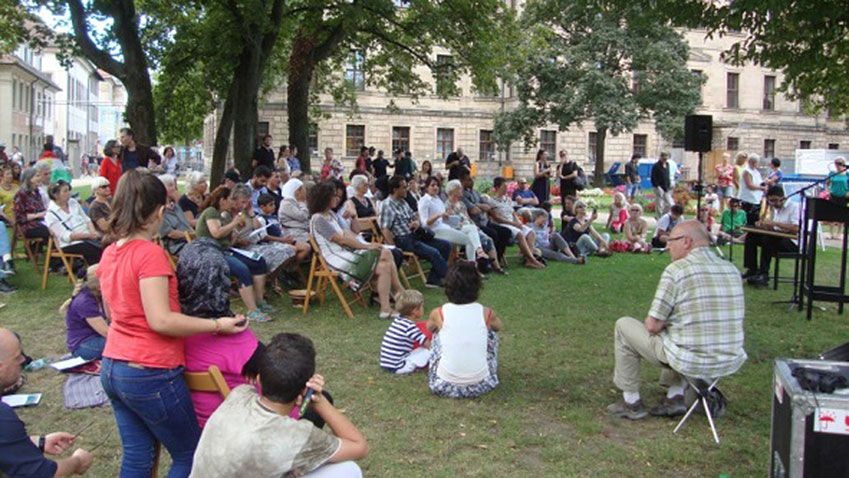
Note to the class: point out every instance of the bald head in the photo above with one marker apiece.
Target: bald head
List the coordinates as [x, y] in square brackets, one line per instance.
[8, 342]
[11, 358]
[695, 230]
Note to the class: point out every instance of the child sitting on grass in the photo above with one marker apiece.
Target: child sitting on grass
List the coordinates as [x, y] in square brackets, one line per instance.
[85, 319]
[398, 352]
[253, 434]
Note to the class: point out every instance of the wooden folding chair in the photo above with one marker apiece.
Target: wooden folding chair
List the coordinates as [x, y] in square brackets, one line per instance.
[53, 250]
[410, 259]
[320, 275]
[29, 246]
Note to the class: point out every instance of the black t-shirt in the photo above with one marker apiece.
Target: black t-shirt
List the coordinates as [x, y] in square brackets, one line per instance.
[188, 205]
[570, 234]
[18, 455]
[567, 186]
[130, 160]
[380, 165]
[264, 157]
[454, 172]
[631, 172]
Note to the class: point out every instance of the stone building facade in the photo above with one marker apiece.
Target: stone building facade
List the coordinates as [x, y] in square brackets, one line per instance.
[748, 114]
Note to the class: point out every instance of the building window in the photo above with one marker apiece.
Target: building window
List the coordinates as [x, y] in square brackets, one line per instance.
[400, 138]
[769, 148]
[355, 138]
[699, 74]
[14, 94]
[487, 147]
[769, 93]
[444, 143]
[354, 71]
[591, 149]
[548, 142]
[312, 140]
[732, 143]
[444, 65]
[833, 146]
[640, 144]
[805, 144]
[732, 90]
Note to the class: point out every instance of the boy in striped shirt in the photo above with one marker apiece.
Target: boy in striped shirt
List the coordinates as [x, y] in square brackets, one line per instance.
[397, 353]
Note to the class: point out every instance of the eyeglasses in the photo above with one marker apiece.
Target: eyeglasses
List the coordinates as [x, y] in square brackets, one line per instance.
[673, 239]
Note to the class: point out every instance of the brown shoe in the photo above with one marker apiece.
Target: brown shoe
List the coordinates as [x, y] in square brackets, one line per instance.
[631, 411]
[670, 407]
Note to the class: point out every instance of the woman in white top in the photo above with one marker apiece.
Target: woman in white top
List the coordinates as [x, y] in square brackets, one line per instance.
[433, 215]
[752, 190]
[71, 228]
[464, 351]
[169, 160]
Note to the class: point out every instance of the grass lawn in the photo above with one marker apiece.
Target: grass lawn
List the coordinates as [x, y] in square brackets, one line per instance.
[546, 418]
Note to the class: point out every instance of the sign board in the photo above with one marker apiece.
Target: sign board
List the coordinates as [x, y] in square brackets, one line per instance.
[818, 162]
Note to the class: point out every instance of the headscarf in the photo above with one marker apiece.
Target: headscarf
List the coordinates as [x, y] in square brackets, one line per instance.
[290, 187]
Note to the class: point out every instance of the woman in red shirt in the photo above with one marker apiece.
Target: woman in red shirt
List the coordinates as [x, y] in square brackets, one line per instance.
[110, 167]
[143, 361]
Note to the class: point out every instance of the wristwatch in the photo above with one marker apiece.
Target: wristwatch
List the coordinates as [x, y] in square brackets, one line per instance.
[42, 442]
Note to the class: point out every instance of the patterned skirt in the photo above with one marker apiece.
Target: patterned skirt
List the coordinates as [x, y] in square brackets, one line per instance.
[447, 389]
[274, 253]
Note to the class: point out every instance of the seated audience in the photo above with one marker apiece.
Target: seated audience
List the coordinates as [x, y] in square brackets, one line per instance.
[523, 196]
[232, 177]
[21, 454]
[552, 246]
[432, 214]
[665, 224]
[618, 213]
[144, 353]
[567, 213]
[636, 229]
[784, 218]
[357, 262]
[257, 183]
[405, 347]
[203, 284]
[70, 226]
[100, 207]
[29, 207]
[293, 213]
[360, 207]
[694, 327]
[479, 210]
[272, 232]
[730, 222]
[8, 189]
[399, 223]
[503, 214]
[258, 433]
[274, 187]
[175, 224]
[191, 202]
[85, 318]
[582, 236]
[254, 237]
[218, 222]
[464, 351]
[459, 219]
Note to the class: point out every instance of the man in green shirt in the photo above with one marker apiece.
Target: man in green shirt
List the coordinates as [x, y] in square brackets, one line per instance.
[730, 222]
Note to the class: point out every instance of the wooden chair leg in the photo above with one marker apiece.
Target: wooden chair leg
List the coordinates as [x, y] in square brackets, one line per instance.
[47, 258]
[404, 279]
[341, 297]
[309, 286]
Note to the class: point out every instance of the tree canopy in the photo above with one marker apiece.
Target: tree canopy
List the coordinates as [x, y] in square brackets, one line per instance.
[609, 62]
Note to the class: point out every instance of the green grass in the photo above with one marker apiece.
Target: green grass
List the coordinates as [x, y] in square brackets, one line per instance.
[546, 418]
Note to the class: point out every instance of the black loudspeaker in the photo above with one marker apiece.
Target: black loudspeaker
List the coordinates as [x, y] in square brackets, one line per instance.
[698, 133]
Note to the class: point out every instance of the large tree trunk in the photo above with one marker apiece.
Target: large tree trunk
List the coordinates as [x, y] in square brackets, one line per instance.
[222, 139]
[247, 116]
[298, 102]
[598, 175]
[140, 113]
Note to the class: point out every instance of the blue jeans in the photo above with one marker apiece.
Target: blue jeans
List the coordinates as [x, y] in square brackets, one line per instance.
[631, 190]
[91, 348]
[243, 268]
[435, 251]
[151, 405]
[5, 247]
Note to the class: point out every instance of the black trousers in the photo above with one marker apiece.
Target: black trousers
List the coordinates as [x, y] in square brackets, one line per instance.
[89, 250]
[500, 235]
[753, 212]
[769, 245]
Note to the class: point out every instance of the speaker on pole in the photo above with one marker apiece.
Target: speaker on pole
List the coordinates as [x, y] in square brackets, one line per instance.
[698, 133]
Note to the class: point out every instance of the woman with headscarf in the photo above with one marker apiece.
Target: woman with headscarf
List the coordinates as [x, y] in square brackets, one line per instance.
[293, 213]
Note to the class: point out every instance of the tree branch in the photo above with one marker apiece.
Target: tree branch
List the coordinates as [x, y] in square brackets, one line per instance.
[422, 58]
[99, 57]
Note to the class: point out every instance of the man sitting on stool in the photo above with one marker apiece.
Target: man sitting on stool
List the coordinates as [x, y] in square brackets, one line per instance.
[784, 218]
[694, 327]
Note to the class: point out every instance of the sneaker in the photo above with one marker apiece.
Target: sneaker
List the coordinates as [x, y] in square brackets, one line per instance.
[7, 288]
[631, 411]
[670, 407]
[258, 316]
[265, 307]
[385, 316]
[748, 273]
[434, 285]
[761, 279]
[8, 267]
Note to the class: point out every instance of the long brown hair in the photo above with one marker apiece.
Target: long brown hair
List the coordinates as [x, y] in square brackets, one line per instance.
[214, 198]
[137, 196]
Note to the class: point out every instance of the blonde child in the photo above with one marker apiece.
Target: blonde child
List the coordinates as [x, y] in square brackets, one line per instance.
[397, 351]
[618, 213]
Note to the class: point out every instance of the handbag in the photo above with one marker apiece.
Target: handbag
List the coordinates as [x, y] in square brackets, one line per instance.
[424, 234]
[581, 179]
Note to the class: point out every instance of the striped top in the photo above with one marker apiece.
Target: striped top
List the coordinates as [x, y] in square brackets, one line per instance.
[700, 297]
[398, 343]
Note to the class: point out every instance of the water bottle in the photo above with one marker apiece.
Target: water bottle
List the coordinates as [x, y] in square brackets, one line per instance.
[36, 365]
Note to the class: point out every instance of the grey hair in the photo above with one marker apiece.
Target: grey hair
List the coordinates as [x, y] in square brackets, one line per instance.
[195, 178]
[42, 166]
[452, 186]
[359, 180]
[240, 191]
[26, 179]
[755, 156]
[167, 179]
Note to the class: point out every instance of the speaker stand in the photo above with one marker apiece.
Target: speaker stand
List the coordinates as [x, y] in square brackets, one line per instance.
[698, 189]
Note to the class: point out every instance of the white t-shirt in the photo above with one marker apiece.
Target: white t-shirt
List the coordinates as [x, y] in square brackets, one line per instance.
[430, 206]
[243, 438]
[665, 223]
[789, 214]
[751, 196]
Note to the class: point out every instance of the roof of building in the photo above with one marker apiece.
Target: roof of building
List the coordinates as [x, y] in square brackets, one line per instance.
[41, 76]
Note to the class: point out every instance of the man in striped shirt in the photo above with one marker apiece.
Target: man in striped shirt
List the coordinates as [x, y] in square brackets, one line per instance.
[694, 327]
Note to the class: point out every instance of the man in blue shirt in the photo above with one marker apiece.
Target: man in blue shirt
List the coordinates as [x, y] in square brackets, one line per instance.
[523, 196]
[22, 455]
